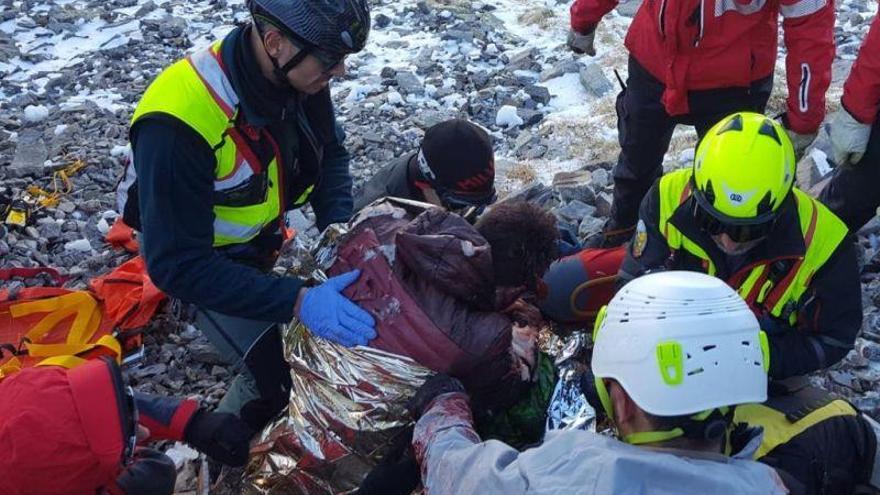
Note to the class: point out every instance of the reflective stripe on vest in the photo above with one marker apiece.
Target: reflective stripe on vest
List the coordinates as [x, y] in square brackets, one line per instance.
[196, 91]
[207, 64]
[822, 232]
[778, 430]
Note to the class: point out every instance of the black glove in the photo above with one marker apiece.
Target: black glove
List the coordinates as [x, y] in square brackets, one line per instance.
[436, 385]
[149, 473]
[582, 43]
[397, 473]
[222, 436]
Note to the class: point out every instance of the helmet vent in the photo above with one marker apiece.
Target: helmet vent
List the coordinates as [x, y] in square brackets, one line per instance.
[734, 124]
[709, 193]
[768, 129]
[765, 205]
[695, 372]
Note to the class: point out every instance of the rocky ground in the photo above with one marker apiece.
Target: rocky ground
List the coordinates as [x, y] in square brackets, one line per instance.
[71, 72]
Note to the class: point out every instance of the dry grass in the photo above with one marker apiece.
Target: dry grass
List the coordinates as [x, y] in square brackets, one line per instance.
[541, 17]
[522, 172]
[588, 141]
[611, 37]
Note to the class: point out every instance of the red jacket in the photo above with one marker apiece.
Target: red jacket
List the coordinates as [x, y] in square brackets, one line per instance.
[70, 432]
[861, 92]
[729, 43]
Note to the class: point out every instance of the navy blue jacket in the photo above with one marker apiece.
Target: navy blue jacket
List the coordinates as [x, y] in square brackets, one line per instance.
[174, 189]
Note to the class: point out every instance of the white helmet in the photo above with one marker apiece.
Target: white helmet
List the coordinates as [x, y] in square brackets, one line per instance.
[681, 343]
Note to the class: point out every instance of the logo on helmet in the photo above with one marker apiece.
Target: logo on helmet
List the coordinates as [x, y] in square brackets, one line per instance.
[736, 197]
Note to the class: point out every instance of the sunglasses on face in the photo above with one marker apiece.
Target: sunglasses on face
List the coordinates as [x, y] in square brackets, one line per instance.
[737, 230]
[328, 60]
[457, 201]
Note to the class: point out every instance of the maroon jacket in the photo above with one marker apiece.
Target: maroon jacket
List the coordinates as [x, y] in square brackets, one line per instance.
[435, 300]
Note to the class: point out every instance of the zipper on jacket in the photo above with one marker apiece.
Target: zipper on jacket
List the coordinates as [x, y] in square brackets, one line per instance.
[661, 18]
[696, 19]
[702, 8]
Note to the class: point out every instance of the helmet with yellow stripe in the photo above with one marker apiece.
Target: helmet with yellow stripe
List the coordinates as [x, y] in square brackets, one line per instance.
[684, 346]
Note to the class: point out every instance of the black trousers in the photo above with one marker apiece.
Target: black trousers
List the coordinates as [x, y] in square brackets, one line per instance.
[645, 129]
[854, 190]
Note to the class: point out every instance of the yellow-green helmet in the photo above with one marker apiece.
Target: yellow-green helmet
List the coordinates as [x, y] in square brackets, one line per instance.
[743, 171]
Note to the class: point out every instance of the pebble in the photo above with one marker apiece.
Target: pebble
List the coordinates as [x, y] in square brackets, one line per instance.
[81, 245]
[594, 80]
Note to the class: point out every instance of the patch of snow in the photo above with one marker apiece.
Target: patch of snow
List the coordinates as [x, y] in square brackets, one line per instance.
[568, 94]
[59, 129]
[394, 98]
[507, 117]
[62, 50]
[360, 91]
[102, 98]
[103, 226]
[180, 453]
[119, 151]
[36, 113]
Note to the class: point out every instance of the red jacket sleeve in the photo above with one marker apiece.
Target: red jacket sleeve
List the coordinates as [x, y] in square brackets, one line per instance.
[861, 92]
[585, 14]
[809, 38]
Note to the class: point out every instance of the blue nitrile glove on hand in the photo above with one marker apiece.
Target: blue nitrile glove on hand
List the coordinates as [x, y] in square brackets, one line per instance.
[329, 314]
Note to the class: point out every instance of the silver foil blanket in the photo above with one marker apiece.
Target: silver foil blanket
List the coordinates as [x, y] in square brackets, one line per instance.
[568, 409]
[347, 407]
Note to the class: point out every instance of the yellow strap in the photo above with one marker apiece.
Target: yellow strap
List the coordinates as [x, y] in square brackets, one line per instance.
[778, 429]
[85, 325]
[62, 358]
[83, 305]
[10, 367]
[63, 361]
[45, 305]
[48, 350]
[110, 342]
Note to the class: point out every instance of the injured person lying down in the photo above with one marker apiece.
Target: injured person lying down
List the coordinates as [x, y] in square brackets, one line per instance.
[447, 296]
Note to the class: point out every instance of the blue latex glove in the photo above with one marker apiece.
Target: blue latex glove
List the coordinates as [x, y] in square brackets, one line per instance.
[329, 314]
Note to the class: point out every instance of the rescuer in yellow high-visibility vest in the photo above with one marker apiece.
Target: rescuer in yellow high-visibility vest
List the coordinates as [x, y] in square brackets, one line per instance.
[737, 216]
[820, 440]
[225, 142]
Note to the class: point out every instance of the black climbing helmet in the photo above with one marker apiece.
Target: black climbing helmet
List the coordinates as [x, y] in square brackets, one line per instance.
[327, 29]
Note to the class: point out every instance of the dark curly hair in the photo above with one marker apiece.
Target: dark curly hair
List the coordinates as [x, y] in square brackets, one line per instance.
[523, 241]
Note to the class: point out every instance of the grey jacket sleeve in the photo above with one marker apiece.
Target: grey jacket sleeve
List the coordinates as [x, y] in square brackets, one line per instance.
[453, 460]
